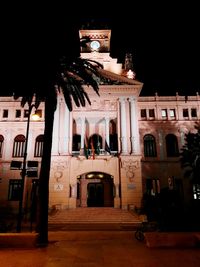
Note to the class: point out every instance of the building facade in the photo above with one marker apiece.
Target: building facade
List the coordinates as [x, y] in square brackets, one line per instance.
[107, 154]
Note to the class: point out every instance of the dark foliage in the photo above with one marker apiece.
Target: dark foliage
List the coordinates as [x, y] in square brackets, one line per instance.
[190, 155]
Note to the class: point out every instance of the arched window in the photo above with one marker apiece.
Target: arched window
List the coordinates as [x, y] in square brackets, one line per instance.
[149, 146]
[39, 143]
[76, 146]
[172, 145]
[1, 144]
[19, 145]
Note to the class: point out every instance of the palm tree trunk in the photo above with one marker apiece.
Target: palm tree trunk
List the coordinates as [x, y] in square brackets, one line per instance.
[43, 193]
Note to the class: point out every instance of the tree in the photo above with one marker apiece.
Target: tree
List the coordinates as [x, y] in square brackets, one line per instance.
[190, 155]
[69, 76]
[190, 162]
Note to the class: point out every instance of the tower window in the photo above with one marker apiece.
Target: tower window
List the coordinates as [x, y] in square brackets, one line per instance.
[185, 113]
[151, 113]
[172, 113]
[164, 113]
[193, 112]
[5, 113]
[17, 113]
[143, 113]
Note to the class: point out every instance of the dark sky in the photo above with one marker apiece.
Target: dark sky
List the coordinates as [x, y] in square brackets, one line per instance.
[162, 38]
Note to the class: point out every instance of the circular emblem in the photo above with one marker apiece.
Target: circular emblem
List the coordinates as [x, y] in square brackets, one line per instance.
[95, 45]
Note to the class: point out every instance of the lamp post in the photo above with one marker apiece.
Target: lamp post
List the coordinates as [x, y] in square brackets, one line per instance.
[23, 172]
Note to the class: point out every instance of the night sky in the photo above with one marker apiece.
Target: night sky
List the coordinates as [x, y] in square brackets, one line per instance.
[163, 40]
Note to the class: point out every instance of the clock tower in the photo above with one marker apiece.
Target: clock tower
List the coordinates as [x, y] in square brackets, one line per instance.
[100, 40]
[98, 49]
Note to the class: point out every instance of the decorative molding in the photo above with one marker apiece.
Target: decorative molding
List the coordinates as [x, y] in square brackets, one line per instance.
[130, 166]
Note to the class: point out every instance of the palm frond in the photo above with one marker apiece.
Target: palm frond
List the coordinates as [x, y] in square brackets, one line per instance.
[77, 88]
[85, 75]
[68, 99]
[84, 40]
[38, 100]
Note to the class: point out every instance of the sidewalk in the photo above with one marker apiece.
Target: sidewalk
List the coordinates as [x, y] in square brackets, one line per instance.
[98, 249]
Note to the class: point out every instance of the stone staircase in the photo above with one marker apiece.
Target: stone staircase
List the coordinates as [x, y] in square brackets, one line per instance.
[103, 218]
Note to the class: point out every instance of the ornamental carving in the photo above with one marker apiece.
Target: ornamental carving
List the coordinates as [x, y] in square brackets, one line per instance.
[58, 168]
[130, 166]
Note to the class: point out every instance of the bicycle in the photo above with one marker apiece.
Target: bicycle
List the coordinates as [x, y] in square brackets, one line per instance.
[145, 227]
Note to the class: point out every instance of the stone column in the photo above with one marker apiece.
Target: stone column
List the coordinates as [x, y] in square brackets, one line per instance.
[123, 125]
[82, 134]
[83, 192]
[160, 140]
[56, 129]
[182, 136]
[135, 142]
[64, 125]
[66, 130]
[116, 190]
[107, 135]
[74, 191]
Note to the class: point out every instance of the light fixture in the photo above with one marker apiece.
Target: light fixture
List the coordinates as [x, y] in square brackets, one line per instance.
[130, 74]
[36, 116]
[90, 175]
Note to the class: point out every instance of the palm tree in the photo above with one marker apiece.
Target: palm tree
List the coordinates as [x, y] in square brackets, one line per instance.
[190, 162]
[190, 155]
[70, 76]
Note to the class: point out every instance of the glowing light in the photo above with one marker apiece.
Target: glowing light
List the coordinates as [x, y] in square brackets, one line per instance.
[130, 74]
[36, 116]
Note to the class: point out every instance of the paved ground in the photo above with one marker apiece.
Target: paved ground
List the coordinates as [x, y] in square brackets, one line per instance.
[98, 249]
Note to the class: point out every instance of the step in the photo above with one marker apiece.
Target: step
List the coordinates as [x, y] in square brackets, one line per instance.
[93, 219]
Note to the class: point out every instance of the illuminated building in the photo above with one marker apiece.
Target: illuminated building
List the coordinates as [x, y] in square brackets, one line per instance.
[106, 154]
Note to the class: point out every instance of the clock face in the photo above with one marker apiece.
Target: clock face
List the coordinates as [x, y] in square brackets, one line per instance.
[95, 45]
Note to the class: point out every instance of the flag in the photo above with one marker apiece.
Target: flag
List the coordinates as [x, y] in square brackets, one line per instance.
[86, 148]
[107, 148]
[98, 146]
[93, 150]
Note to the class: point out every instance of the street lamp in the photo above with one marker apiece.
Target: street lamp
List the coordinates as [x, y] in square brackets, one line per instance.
[23, 169]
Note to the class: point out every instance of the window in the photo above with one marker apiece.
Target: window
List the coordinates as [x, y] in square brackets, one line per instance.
[185, 113]
[26, 113]
[17, 113]
[193, 112]
[151, 113]
[1, 144]
[143, 113]
[19, 145]
[196, 191]
[113, 142]
[5, 113]
[164, 113]
[152, 186]
[172, 113]
[76, 146]
[149, 146]
[171, 145]
[14, 192]
[39, 142]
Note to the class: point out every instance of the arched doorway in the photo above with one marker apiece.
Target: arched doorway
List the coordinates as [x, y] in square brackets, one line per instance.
[95, 195]
[95, 189]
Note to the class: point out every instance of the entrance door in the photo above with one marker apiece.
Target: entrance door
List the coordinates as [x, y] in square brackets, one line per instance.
[95, 195]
